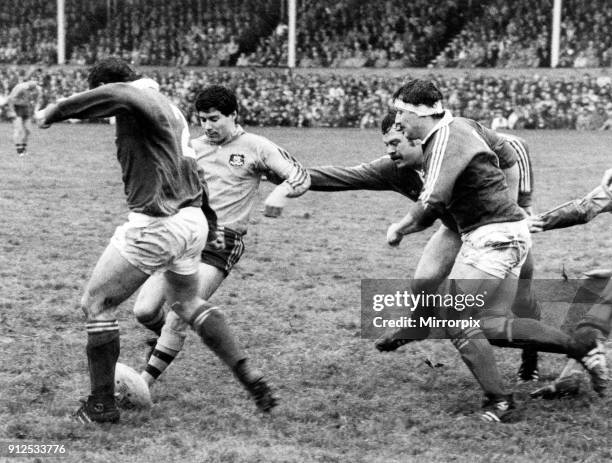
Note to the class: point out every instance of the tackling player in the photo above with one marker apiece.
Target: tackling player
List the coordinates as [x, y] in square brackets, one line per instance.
[598, 320]
[23, 101]
[233, 162]
[166, 229]
[463, 178]
[399, 171]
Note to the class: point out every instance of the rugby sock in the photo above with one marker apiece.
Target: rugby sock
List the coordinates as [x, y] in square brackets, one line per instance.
[102, 354]
[210, 324]
[167, 348]
[154, 321]
[477, 354]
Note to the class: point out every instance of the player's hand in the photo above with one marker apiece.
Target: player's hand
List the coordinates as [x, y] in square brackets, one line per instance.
[535, 223]
[606, 181]
[394, 238]
[216, 239]
[276, 201]
[40, 117]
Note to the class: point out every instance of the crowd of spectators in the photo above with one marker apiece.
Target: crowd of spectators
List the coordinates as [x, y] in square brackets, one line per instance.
[517, 35]
[345, 33]
[352, 33]
[327, 99]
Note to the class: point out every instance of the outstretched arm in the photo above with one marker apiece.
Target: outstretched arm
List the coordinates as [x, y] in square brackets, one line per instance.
[576, 212]
[105, 101]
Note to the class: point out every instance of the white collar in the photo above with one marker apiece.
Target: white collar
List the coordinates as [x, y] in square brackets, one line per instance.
[446, 119]
[144, 83]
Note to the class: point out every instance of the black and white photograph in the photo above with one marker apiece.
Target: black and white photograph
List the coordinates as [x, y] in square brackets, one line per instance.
[286, 231]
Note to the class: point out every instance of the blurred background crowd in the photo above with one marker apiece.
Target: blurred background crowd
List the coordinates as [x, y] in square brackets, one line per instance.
[284, 98]
[343, 33]
[249, 34]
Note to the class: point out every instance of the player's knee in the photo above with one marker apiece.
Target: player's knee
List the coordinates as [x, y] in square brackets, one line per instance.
[96, 306]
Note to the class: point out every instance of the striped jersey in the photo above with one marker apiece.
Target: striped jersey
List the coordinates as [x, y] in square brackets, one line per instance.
[510, 150]
[523, 158]
[152, 139]
[233, 171]
[25, 94]
[463, 177]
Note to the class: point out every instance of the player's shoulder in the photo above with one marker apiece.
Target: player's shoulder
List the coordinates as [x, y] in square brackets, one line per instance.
[254, 140]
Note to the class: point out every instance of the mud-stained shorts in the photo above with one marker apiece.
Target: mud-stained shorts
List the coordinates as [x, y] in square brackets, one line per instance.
[163, 243]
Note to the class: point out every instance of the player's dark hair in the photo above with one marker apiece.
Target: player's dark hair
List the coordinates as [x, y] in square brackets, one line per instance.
[388, 122]
[417, 92]
[111, 70]
[218, 97]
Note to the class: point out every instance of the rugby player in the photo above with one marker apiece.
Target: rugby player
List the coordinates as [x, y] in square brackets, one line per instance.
[166, 228]
[399, 171]
[23, 101]
[597, 322]
[233, 162]
[463, 179]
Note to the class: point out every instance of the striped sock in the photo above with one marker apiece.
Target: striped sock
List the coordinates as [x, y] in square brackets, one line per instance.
[160, 359]
[102, 353]
[154, 321]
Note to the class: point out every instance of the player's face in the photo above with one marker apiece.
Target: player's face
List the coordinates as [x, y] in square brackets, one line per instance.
[216, 125]
[409, 123]
[404, 152]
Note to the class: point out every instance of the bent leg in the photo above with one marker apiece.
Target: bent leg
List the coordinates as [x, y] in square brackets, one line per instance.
[174, 331]
[113, 280]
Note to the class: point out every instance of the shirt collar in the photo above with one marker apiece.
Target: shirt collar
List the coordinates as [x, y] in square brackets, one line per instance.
[446, 120]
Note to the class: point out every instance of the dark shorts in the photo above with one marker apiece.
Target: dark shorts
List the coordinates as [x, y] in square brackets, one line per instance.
[23, 111]
[225, 259]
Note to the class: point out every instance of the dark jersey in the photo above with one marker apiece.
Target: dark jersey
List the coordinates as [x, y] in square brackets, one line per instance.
[463, 177]
[510, 150]
[152, 138]
[382, 174]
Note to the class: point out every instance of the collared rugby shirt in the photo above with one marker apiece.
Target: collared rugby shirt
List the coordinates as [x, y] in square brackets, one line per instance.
[233, 171]
[463, 177]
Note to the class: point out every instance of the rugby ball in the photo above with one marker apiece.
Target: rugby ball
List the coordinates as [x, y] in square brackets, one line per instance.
[131, 390]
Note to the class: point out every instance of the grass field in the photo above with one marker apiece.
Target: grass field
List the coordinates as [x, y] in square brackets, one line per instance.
[294, 301]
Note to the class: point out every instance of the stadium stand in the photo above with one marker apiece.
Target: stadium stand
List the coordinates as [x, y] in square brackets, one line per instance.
[346, 33]
[326, 99]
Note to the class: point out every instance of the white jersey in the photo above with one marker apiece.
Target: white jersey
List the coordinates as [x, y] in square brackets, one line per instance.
[233, 171]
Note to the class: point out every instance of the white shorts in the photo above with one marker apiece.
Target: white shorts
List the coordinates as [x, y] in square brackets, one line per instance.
[499, 249]
[163, 243]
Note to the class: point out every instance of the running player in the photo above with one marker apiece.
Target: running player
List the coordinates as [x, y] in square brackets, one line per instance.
[463, 179]
[234, 162]
[23, 101]
[399, 171]
[166, 229]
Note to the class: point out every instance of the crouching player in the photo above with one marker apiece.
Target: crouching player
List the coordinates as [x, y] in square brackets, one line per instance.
[597, 322]
[233, 162]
